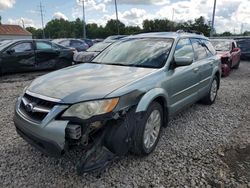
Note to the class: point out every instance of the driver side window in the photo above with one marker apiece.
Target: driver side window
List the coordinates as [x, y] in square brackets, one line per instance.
[22, 47]
[184, 49]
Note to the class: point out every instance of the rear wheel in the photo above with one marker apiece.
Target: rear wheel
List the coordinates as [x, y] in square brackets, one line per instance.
[148, 130]
[212, 94]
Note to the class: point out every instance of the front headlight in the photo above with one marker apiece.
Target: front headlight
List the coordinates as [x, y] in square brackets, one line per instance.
[86, 110]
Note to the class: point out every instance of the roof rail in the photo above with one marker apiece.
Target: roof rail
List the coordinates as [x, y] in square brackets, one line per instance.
[189, 31]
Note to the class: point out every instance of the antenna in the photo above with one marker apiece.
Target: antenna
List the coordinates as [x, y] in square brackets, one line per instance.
[42, 15]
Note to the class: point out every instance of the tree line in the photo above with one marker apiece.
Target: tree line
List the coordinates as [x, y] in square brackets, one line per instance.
[60, 28]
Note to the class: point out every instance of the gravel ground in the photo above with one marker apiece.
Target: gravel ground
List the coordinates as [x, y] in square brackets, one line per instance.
[204, 146]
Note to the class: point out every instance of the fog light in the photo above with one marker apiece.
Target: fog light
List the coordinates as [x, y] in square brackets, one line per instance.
[73, 131]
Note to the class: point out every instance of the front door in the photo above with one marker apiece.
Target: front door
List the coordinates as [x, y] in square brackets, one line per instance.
[19, 57]
[184, 80]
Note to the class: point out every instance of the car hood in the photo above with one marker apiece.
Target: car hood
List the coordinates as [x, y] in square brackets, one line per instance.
[86, 81]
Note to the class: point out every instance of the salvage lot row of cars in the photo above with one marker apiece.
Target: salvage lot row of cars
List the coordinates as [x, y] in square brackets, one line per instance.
[31, 55]
[121, 100]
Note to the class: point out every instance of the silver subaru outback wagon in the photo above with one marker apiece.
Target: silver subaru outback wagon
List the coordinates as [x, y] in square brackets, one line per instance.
[121, 100]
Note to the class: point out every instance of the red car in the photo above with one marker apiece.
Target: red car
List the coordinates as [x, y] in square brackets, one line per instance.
[229, 52]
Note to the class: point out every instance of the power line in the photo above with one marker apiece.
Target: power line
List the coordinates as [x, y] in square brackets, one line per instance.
[42, 15]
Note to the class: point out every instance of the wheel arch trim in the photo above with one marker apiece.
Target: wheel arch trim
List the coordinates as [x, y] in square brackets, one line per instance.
[149, 97]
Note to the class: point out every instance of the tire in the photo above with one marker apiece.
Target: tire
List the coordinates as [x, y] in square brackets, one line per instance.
[212, 94]
[237, 65]
[230, 64]
[140, 145]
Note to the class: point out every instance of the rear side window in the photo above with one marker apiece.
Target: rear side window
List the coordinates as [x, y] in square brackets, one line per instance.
[199, 49]
[43, 46]
[209, 48]
[76, 43]
[184, 49]
[65, 43]
[22, 47]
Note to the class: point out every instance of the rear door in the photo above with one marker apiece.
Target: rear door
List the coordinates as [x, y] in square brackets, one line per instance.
[184, 80]
[205, 60]
[46, 55]
[19, 57]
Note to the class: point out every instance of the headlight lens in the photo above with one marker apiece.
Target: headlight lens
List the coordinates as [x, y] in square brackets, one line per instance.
[86, 110]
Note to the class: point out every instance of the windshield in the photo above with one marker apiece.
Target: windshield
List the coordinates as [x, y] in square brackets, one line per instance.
[98, 47]
[145, 52]
[221, 45]
[5, 43]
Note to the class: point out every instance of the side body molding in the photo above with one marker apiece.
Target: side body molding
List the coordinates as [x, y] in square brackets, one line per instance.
[149, 97]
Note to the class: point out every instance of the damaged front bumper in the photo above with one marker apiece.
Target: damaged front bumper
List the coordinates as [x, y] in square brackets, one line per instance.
[49, 139]
[105, 136]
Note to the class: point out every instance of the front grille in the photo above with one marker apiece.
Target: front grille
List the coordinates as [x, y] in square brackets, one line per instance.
[35, 109]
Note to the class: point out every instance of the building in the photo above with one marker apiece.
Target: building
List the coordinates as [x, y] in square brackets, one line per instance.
[13, 32]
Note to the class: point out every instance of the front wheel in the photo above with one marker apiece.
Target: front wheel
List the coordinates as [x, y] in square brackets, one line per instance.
[211, 96]
[237, 65]
[148, 130]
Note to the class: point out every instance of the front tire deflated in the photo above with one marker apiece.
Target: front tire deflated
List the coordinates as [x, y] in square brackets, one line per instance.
[118, 138]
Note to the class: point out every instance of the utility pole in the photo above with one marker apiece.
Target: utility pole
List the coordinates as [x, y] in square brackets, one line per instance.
[41, 12]
[83, 19]
[22, 23]
[117, 20]
[212, 29]
[241, 28]
[173, 15]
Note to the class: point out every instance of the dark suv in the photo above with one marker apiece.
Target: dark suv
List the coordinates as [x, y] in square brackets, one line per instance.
[121, 100]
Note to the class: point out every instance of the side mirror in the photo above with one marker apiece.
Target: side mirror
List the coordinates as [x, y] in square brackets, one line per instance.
[10, 51]
[183, 61]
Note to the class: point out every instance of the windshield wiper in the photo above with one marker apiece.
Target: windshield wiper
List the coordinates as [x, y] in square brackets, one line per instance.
[118, 64]
[95, 62]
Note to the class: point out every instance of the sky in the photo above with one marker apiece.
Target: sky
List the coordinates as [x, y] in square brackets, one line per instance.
[231, 15]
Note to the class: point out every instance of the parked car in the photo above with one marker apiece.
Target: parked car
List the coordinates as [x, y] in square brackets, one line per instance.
[30, 55]
[121, 100]
[89, 42]
[229, 53]
[244, 45]
[83, 57]
[97, 40]
[114, 38]
[77, 44]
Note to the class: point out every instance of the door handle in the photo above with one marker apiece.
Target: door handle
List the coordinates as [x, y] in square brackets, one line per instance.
[196, 69]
